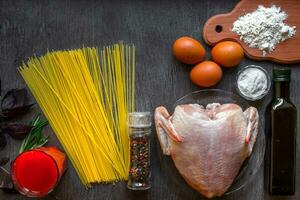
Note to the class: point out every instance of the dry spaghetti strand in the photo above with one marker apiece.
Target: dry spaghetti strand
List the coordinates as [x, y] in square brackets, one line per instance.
[86, 95]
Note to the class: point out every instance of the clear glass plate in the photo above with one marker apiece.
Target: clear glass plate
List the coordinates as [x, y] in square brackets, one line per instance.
[251, 164]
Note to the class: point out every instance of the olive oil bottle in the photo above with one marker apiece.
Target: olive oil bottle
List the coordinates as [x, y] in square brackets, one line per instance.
[283, 122]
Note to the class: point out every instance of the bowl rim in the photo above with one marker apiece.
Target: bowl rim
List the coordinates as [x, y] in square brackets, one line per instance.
[248, 97]
[211, 90]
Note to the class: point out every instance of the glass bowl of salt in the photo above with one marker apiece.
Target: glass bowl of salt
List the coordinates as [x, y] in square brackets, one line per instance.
[253, 82]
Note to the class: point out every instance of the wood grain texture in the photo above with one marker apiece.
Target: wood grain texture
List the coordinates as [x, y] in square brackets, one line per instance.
[32, 27]
[285, 52]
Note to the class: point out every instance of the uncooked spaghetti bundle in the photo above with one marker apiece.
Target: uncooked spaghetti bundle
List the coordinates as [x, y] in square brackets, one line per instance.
[86, 95]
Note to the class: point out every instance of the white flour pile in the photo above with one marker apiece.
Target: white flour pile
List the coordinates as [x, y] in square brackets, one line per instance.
[264, 28]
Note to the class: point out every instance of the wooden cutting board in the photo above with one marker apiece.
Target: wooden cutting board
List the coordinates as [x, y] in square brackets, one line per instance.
[218, 28]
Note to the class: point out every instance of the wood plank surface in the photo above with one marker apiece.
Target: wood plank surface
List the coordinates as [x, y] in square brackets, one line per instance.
[34, 27]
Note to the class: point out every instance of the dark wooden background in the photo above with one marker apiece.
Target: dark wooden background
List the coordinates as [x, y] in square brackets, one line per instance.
[33, 27]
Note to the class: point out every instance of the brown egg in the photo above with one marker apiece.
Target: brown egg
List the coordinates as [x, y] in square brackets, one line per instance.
[227, 53]
[188, 50]
[206, 74]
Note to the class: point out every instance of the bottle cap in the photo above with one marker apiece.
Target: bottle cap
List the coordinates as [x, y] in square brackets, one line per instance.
[139, 119]
[281, 74]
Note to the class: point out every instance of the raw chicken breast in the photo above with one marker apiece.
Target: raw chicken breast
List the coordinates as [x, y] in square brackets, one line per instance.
[208, 146]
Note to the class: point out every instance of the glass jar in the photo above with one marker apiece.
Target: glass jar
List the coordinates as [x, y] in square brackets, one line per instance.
[139, 124]
[35, 173]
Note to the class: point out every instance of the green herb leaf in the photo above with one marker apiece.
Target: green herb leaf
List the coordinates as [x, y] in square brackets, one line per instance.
[35, 137]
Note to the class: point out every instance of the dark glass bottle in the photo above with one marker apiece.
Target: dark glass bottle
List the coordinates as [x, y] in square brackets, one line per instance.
[283, 122]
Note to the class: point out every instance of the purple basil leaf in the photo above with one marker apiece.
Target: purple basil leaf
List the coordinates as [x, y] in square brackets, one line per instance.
[3, 161]
[10, 190]
[15, 111]
[14, 102]
[14, 98]
[2, 141]
[5, 181]
[16, 131]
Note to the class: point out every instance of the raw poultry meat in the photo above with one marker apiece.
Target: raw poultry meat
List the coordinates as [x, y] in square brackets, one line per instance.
[208, 145]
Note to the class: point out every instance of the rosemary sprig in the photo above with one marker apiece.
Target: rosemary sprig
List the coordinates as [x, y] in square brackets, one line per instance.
[35, 138]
